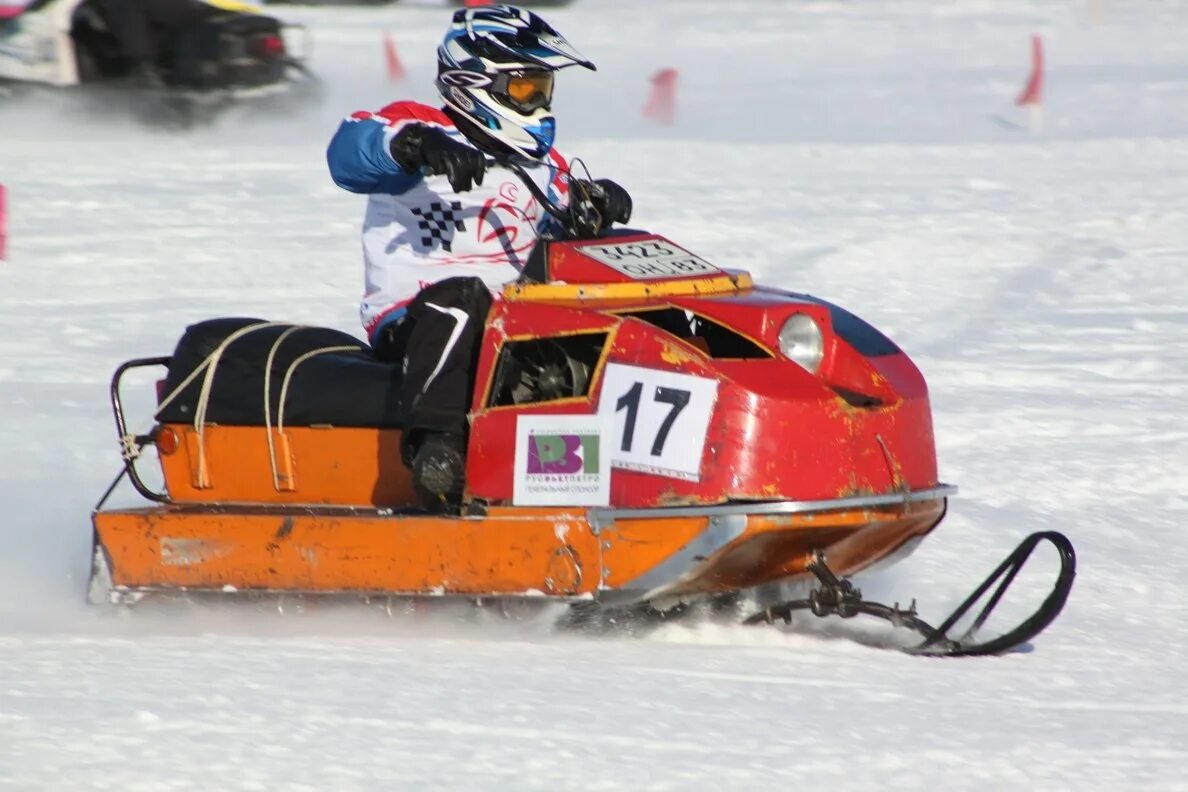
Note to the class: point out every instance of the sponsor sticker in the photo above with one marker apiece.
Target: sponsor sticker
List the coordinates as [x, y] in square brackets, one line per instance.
[561, 461]
[461, 99]
[464, 79]
[650, 259]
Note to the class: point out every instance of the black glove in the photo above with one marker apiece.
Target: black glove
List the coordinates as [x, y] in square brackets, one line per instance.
[608, 198]
[418, 147]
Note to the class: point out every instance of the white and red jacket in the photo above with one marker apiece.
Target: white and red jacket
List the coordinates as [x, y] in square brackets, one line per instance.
[417, 230]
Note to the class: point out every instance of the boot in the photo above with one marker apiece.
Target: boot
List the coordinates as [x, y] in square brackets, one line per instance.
[439, 473]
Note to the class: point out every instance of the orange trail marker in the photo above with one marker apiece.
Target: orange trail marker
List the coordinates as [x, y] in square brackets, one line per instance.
[661, 105]
[395, 67]
[1034, 89]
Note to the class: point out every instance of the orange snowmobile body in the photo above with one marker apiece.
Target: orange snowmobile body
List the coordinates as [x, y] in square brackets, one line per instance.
[685, 446]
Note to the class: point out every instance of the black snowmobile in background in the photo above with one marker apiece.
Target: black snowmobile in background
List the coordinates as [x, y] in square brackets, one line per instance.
[226, 53]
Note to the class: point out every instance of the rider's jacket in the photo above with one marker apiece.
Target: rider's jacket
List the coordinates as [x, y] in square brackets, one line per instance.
[416, 229]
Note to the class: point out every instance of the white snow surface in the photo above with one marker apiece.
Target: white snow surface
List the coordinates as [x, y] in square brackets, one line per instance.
[869, 153]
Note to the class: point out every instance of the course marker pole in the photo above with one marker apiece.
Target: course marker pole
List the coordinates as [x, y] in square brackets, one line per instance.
[661, 104]
[1032, 95]
[395, 67]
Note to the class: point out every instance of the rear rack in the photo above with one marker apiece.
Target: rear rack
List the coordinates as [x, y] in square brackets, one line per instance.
[131, 445]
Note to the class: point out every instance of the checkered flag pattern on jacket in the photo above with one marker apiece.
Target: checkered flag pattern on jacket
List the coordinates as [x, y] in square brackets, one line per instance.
[438, 222]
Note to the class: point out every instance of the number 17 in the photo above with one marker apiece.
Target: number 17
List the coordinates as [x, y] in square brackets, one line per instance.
[676, 398]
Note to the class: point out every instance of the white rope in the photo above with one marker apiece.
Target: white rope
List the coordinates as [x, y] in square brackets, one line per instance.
[211, 365]
[280, 416]
[131, 449]
[202, 367]
[280, 412]
[268, 403]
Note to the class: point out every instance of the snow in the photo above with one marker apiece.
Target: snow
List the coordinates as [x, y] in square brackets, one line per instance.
[868, 153]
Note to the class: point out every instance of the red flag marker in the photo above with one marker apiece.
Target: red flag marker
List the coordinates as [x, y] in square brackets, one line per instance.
[395, 67]
[1034, 90]
[661, 104]
[478, 3]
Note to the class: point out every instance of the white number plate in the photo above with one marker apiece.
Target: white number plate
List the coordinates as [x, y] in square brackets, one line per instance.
[659, 419]
[649, 260]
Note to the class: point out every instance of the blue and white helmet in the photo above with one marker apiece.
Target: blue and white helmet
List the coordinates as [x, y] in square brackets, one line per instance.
[496, 66]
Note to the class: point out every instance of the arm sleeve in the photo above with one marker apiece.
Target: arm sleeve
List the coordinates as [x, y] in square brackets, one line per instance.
[359, 158]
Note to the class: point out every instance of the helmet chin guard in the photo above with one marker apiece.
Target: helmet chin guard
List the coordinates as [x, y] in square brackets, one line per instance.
[494, 68]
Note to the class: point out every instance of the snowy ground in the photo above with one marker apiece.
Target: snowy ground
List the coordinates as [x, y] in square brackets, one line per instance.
[866, 152]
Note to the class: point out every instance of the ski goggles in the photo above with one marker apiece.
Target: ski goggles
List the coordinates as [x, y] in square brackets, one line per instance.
[524, 91]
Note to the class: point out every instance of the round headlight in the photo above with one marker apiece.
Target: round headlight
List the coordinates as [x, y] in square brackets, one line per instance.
[802, 342]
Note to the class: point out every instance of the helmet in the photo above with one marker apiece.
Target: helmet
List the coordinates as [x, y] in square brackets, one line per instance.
[495, 67]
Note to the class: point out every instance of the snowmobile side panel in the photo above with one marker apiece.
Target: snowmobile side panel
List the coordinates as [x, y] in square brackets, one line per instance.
[338, 550]
[737, 550]
[511, 551]
[777, 432]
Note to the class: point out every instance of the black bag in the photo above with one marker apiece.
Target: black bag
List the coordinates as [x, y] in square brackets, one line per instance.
[346, 387]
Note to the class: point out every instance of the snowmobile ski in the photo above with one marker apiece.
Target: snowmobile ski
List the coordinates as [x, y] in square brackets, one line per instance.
[838, 597]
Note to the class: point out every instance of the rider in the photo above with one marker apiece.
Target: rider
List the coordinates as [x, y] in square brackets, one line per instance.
[144, 28]
[440, 231]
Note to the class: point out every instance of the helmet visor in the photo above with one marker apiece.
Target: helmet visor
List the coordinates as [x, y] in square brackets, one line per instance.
[525, 91]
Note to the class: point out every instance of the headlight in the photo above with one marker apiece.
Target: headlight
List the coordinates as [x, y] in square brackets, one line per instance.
[802, 342]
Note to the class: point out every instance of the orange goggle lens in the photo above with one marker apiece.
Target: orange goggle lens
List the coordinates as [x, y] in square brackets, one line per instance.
[532, 88]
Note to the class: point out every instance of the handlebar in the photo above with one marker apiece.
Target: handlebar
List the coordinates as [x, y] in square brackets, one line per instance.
[579, 220]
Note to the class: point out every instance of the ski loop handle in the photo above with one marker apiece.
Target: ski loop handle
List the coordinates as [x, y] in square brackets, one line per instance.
[1029, 627]
[838, 597]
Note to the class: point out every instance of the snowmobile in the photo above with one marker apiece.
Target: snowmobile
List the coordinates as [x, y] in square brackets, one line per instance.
[232, 52]
[648, 431]
[524, 3]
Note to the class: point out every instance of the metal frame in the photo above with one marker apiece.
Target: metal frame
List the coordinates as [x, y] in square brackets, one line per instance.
[140, 441]
[602, 517]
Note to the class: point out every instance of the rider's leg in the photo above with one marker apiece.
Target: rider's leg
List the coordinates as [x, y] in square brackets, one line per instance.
[440, 338]
[128, 23]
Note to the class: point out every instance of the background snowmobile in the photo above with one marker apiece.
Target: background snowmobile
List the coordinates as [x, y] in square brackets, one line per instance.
[527, 3]
[232, 51]
[647, 430]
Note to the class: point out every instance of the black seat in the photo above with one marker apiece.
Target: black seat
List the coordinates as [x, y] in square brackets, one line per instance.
[346, 387]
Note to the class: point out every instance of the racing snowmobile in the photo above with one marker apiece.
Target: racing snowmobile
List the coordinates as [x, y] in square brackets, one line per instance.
[525, 3]
[648, 431]
[226, 52]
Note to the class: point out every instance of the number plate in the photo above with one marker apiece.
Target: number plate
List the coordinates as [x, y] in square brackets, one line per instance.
[649, 260]
[659, 419]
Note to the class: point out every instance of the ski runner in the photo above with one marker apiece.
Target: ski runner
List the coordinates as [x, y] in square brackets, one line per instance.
[440, 231]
